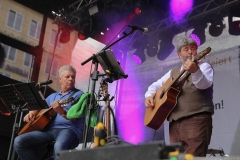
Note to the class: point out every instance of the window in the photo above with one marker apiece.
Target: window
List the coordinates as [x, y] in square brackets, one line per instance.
[54, 69]
[53, 37]
[10, 52]
[23, 80]
[27, 60]
[2, 50]
[14, 20]
[35, 29]
[5, 74]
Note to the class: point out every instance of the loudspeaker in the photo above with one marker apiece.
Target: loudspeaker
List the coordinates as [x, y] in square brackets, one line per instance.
[145, 151]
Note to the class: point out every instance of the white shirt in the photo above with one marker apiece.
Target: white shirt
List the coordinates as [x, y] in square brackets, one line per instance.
[202, 79]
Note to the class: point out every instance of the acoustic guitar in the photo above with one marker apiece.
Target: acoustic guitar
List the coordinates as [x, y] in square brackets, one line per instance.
[105, 94]
[43, 117]
[103, 129]
[165, 98]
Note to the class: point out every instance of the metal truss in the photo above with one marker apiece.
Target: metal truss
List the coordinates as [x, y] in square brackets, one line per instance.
[77, 9]
[80, 9]
[202, 10]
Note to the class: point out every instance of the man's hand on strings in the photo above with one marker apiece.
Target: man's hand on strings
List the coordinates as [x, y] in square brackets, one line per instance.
[30, 116]
[58, 108]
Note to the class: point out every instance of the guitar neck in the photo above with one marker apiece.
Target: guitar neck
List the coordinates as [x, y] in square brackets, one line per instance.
[108, 119]
[43, 111]
[176, 81]
[62, 103]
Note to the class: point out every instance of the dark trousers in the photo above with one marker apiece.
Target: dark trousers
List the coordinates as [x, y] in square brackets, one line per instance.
[194, 132]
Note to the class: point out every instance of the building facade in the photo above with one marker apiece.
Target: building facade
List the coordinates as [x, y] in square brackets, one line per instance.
[25, 25]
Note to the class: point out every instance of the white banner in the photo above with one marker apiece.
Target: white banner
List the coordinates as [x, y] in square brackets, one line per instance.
[226, 100]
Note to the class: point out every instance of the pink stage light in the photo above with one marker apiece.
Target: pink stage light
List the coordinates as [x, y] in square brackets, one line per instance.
[179, 8]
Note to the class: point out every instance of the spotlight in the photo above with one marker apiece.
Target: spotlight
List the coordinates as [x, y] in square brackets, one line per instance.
[82, 35]
[152, 47]
[139, 56]
[84, 28]
[137, 9]
[166, 46]
[198, 34]
[93, 10]
[216, 28]
[65, 35]
[234, 26]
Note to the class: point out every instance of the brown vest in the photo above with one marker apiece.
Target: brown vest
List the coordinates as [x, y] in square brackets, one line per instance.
[191, 100]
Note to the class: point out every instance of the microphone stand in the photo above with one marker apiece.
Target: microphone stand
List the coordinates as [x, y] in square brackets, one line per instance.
[94, 76]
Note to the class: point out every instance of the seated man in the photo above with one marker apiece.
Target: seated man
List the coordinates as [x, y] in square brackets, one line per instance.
[66, 133]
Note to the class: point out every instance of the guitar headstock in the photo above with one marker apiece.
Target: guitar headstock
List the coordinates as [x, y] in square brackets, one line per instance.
[200, 55]
[65, 101]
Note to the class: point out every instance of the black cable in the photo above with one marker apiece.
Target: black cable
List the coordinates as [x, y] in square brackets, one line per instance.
[114, 121]
[154, 135]
[115, 139]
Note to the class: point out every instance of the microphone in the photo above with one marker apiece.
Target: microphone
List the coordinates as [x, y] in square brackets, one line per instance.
[144, 30]
[44, 83]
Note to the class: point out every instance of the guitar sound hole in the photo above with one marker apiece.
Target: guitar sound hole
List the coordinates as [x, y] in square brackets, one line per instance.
[161, 95]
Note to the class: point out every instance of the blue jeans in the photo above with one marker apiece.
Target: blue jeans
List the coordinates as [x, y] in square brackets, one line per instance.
[26, 144]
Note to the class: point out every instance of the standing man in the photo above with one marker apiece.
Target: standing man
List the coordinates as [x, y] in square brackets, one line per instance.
[66, 133]
[191, 119]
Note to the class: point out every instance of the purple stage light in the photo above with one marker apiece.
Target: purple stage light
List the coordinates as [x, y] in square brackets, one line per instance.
[179, 8]
[137, 59]
[196, 38]
[139, 56]
[129, 110]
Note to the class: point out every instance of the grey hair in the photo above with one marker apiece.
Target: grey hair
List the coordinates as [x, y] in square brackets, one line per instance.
[184, 42]
[66, 68]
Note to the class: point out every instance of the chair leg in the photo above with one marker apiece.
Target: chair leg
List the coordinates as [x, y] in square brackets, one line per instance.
[49, 154]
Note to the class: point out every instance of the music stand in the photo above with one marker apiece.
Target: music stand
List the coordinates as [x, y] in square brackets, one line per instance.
[113, 71]
[16, 98]
[110, 65]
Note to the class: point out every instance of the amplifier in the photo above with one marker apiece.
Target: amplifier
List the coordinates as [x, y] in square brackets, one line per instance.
[144, 151]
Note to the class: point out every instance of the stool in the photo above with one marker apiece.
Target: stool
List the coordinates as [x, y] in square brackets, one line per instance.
[49, 154]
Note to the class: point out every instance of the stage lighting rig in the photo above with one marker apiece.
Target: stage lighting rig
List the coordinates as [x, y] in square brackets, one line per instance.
[216, 27]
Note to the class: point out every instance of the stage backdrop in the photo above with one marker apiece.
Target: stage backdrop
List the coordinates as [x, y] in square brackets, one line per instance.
[129, 93]
[224, 58]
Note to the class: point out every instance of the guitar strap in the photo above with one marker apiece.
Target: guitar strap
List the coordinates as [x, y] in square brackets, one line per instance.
[74, 91]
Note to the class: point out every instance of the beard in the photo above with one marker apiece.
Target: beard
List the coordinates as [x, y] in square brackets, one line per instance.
[187, 57]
